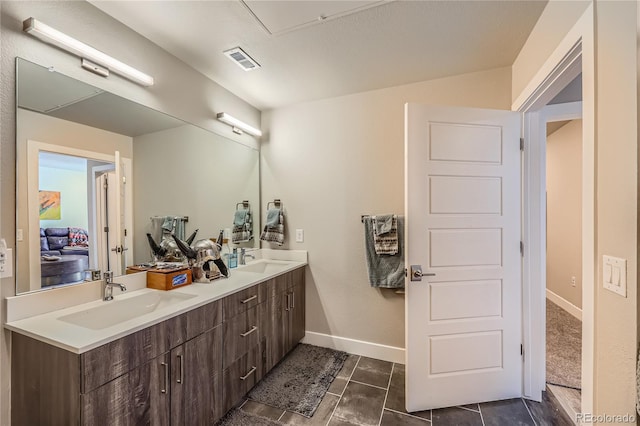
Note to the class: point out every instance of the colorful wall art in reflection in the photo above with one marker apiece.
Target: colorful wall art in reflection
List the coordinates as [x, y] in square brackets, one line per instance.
[49, 205]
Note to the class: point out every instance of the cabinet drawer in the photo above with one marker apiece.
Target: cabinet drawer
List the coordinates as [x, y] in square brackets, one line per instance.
[241, 376]
[241, 333]
[244, 300]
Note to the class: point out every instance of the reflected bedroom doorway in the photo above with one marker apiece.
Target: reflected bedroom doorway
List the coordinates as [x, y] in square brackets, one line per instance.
[71, 211]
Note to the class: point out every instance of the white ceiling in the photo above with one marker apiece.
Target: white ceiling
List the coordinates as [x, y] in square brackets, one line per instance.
[317, 49]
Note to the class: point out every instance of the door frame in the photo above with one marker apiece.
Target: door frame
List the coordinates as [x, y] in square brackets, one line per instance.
[574, 55]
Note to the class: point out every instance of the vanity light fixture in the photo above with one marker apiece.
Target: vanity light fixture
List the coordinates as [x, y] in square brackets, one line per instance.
[237, 125]
[84, 51]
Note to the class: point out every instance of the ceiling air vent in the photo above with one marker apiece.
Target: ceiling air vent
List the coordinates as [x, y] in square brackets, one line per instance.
[241, 58]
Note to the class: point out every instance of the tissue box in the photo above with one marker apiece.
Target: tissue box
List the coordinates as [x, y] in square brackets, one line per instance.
[168, 279]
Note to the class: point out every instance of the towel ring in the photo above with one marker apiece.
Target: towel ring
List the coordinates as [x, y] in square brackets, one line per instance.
[277, 203]
[244, 203]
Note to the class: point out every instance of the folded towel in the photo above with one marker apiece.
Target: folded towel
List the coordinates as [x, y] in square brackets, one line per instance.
[240, 217]
[386, 271]
[273, 217]
[167, 224]
[179, 228]
[274, 234]
[387, 242]
[383, 223]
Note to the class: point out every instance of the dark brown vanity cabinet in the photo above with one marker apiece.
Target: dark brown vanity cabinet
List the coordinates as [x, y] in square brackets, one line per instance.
[171, 370]
[188, 370]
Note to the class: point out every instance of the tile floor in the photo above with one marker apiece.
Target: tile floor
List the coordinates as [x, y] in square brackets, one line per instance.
[370, 392]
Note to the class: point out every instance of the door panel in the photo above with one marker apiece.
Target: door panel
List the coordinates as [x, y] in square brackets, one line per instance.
[463, 324]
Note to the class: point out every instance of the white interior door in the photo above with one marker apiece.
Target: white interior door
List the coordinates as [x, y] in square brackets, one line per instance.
[113, 216]
[463, 324]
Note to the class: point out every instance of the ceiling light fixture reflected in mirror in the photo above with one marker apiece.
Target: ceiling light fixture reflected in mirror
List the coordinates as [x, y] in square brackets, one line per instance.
[78, 48]
[237, 125]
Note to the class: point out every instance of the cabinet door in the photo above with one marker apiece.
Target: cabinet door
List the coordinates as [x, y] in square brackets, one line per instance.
[297, 314]
[196, 370]
[276, 325]
[138, 397]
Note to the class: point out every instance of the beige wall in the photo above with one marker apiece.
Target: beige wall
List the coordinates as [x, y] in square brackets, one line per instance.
[617, 206]
[179, 91]
[557, 18]
[332, 161]
[564, 212]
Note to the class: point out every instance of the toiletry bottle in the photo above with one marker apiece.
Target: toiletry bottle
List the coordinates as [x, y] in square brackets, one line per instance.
[225, 250]
[233, 259]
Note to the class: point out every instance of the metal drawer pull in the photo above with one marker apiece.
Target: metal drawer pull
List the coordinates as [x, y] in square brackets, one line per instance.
[288, 302]
[254, 328]
[181, 369]
[255, 296]
[293, 300]
[253, 370]
[165, 366]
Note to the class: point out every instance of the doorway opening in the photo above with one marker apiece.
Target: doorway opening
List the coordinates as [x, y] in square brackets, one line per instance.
[564, 248]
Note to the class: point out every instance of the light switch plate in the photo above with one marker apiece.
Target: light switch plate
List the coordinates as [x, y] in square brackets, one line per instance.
[614, 274]
[299, 235]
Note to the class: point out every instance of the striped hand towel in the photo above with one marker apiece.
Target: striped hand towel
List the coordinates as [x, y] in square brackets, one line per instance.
[274, 234]
[385, 242]
[242, 231]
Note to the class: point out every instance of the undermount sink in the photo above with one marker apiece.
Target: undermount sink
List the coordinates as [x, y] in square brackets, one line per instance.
[111, 313]
[264, 266]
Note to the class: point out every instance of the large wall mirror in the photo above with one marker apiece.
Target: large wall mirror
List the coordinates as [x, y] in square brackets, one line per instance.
[97, 172]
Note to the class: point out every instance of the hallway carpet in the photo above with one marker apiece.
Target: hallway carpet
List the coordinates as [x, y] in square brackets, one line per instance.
[564, 347]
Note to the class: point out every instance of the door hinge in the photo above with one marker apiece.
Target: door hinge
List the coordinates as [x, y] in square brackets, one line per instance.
[405, 272]
[522, 350]
[521, 248]
[521, 144]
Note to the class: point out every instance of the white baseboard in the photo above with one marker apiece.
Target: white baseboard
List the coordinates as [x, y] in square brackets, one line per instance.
[356, 347]
[565, 304]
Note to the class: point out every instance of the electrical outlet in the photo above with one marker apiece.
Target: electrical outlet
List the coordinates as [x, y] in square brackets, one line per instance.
[299, 235]
[573, 281]
[19, 236]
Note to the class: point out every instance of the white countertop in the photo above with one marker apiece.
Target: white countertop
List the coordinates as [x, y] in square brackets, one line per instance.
[49, 328]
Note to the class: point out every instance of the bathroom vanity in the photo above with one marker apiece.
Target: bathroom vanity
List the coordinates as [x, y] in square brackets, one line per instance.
[186, 363]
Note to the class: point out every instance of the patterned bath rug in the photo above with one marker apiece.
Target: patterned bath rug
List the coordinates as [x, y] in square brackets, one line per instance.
[299, 382]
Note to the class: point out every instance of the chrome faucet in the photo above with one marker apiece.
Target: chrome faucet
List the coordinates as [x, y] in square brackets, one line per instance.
[108, 284]
[243, 256]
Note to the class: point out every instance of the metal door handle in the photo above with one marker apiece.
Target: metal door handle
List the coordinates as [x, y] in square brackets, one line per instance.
[181, 369]
[417, 274]
[165, 366]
